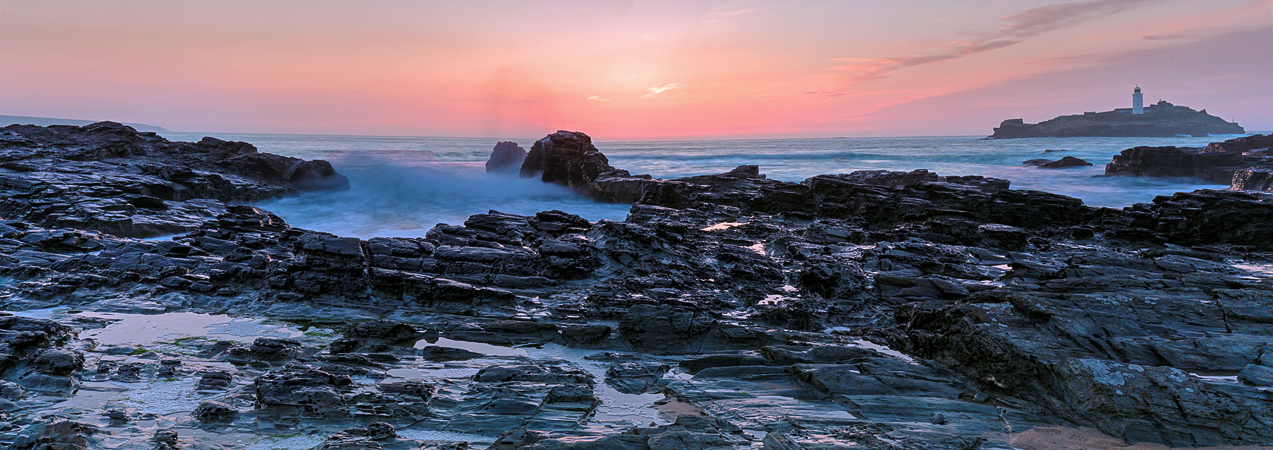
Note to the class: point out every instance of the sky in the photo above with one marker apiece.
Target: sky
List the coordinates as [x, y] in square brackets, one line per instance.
[628, 69]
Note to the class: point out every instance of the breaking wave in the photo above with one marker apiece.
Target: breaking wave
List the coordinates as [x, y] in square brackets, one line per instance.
[388, 200]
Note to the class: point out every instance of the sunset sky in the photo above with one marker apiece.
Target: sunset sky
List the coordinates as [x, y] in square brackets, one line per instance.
[628, 69]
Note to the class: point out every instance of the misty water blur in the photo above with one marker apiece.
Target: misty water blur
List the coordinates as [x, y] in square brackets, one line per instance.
[403, 186]
[392, 198]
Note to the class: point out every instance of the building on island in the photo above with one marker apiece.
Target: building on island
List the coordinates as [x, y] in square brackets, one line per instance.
[1161, 119]
[1138, 102]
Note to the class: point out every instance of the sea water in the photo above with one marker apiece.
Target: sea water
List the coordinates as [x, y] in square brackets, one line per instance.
[403, 186]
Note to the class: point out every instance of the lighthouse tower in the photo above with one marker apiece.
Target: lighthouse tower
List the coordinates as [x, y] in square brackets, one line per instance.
[1138, 102]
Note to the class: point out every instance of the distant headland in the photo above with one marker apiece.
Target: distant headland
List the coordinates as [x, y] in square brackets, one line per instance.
[46, 121]
[1161, 119]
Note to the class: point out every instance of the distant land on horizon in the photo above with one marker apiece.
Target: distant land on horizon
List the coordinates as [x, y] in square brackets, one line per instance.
[6, 120]
[1161, 119]
[46, 121]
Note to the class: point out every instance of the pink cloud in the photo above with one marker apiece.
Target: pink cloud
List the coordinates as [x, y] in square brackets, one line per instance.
[1016, 28]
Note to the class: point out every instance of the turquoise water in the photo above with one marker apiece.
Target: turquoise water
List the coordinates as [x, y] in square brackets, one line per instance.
[403, 186]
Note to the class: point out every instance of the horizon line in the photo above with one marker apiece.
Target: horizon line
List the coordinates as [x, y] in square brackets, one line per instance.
[656, 139]
[595, 138]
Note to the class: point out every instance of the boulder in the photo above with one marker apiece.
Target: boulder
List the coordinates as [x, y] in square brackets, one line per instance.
[215, 380]
[57, 361]
[384, 332]
[635, 377]
[317, 175]
[1063, 163]
[274, 349]
[211, 411]
[507, 157]
[167, 439]
[314, 392]
[567, 158]
[1252, 179]
[436, 353]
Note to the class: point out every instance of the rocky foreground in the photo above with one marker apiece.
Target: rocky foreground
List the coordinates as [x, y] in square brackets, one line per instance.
[879, 310]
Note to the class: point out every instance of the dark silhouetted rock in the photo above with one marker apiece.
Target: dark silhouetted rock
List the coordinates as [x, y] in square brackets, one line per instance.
[567, 158]
[507, 157]
[1241, 145]
[1178, 162]
[1063, 163]
[739, 173]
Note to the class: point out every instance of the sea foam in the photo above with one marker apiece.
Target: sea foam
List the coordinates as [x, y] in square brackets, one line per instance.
[394, 194]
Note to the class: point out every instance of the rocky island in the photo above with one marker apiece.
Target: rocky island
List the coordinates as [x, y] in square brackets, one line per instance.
[1161, 119]
[882, 310]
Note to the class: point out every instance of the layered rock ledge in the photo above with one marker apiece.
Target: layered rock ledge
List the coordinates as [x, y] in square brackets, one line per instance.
[113, 179]
[1243, 163]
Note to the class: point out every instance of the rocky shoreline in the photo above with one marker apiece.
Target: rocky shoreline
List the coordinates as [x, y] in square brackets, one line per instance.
[1243, 163]
[882, 310]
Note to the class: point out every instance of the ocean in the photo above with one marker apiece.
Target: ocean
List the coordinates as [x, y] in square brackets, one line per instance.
[404, 186]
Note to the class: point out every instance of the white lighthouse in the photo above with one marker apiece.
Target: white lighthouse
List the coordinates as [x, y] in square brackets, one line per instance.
[1138, 102]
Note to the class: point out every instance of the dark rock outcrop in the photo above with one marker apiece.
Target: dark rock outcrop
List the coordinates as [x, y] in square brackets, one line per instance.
[1245, 144]
[1243, 163]
[567, 158]
[1179, 162]
[110, 178]
[1207, 217]
[1237, 162]
[1252, 179]
[212, 411]
[507, 157]
[743, 172]
[1063, 163]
